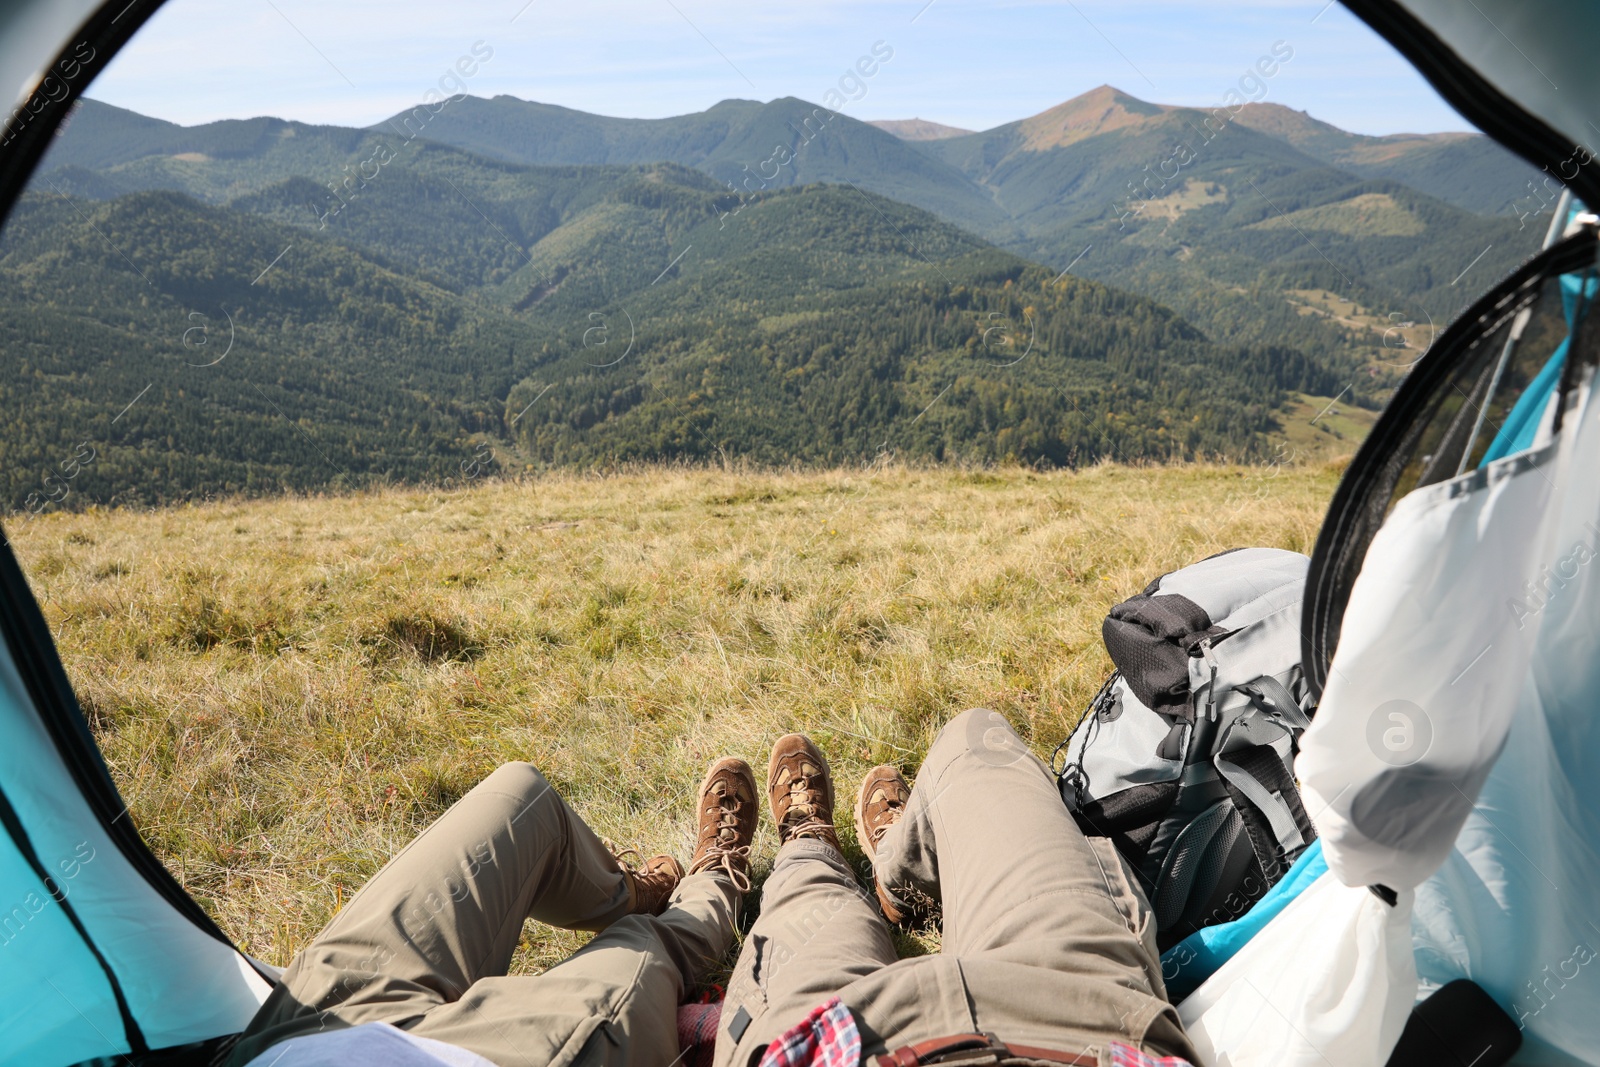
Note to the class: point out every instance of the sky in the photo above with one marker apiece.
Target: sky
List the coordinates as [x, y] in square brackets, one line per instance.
[971, 64]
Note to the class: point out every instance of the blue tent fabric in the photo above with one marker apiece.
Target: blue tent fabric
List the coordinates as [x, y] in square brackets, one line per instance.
[1522, 425]
[1194, 959]
[94, 961]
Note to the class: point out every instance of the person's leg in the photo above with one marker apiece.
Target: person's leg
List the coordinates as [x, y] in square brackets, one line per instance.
[613, 1003]
[818, 931]
[1053, 936]
[447, 911]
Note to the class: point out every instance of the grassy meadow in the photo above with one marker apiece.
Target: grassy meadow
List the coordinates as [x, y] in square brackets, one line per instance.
[288, 690]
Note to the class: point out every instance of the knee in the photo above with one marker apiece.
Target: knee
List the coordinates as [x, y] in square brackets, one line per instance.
[978, 729]
[978, 719]
[807, 863]
[637, 932]
[981, 733]
[518, 780]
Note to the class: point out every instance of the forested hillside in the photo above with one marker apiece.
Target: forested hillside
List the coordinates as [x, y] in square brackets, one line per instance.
[1466, 170]
[257, 305]
[1233, 224]
[1252, 229]
[161, 348]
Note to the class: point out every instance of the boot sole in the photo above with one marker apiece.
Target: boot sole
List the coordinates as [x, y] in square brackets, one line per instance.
[861, 825]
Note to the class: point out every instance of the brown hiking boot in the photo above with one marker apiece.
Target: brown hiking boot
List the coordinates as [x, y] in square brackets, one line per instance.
[650, 887]
[879, 805]
[727, 810]
[800, 790]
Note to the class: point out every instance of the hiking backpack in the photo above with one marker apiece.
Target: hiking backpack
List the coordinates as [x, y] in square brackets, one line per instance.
[1185, 759]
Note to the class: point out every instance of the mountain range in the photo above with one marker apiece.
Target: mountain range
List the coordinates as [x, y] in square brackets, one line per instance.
[1253, 235]
[517, 280]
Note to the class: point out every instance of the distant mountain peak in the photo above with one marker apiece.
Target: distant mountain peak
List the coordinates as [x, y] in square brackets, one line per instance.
[1290, 125]
[1284, 122]
[1097, 111]
[918, 129]
[1327, 141]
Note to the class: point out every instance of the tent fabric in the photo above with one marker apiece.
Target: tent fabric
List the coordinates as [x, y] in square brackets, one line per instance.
[1494, 808]
[1329, 981]
[1514, 905]
[61, 978]
[1546, 71]
[1194, 959]
[1520, 70]
[1522, 424]
[1394, 760]
[30, 35]
[1510, 874]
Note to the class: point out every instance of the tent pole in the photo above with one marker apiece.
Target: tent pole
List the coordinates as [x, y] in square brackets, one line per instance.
[1558, 223]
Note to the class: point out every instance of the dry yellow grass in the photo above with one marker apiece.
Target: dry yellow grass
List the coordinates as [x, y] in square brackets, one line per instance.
[288, 690]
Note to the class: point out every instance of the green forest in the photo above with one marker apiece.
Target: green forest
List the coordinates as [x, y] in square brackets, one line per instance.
[260, 306]
[148, 332]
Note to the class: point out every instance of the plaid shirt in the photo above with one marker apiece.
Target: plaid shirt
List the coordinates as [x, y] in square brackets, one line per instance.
[828, 1038]
[825, 1038]
[1128, 1056]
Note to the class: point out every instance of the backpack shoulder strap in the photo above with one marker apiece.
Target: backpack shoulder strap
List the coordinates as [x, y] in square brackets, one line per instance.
[1280, 816]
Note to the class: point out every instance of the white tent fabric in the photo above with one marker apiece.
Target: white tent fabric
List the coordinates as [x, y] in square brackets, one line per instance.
[1515, 907]
[1433, 653]
[1328, 981]
[1478, 779]
[1457, 746]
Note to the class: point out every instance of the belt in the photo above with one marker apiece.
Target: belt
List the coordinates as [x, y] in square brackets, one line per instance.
[977, 1049]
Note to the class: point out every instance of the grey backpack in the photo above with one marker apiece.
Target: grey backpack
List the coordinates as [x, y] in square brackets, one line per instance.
[1185, 759]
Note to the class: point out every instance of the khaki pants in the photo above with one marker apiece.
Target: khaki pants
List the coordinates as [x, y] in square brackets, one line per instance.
[426, 943]
[1047, 939]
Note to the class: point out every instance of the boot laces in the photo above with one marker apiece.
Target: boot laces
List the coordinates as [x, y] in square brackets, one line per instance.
[637, 870]
[632, 861]
[804, 816]
[722, 853]
[896, 808]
